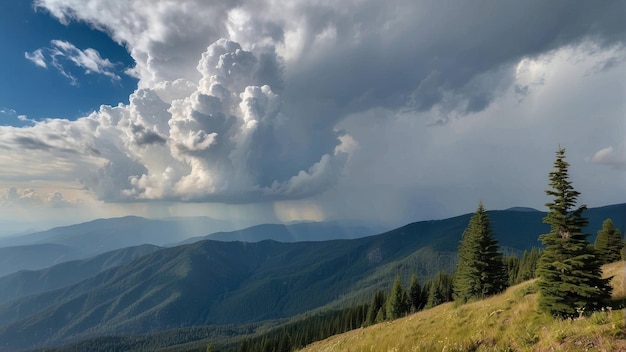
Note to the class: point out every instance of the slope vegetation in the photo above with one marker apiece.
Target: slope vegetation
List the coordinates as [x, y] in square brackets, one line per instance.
[26, 282]
[506, 322]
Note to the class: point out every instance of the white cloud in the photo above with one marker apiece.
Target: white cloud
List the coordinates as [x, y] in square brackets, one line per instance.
[31, 197]
[63, 52]
[610, 156]
[88, 59]
[37, 58]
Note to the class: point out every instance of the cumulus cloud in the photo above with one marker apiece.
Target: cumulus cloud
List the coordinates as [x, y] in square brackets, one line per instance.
[212, 140]
[222, 137]
[61, 52]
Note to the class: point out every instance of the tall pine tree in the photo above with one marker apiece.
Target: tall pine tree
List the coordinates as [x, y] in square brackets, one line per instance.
[609, 242]
[481, 271]
[570, 273]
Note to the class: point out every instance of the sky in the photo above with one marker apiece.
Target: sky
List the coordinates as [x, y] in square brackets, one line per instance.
[264, 111]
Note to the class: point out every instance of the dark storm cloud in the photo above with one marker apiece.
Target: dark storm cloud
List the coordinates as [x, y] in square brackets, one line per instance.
[415, 52]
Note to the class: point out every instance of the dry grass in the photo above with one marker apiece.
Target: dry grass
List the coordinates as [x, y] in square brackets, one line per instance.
[506, 322]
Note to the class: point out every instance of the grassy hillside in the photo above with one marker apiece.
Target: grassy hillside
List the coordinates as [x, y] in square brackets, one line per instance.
[506, 322]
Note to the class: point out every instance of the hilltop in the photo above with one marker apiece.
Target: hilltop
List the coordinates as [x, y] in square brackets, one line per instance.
[509, 321]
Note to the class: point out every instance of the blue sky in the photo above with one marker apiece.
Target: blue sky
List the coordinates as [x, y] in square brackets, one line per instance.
[44, 92]
[265, 111]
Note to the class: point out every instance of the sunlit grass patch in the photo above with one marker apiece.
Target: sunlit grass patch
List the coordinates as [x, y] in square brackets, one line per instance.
[506, 322]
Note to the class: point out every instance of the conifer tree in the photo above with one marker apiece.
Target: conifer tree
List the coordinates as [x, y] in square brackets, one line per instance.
[381, 315]
[377, 302]
[439, 289]
[609, 242]
[528, 265]
[435, 296]
[570, 273]
[397, 303]
[481, 271]
[244, 346]
[415, 295]
[428, 284]
[512, 268]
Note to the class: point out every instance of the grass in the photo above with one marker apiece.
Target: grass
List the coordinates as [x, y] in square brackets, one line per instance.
[506, 322]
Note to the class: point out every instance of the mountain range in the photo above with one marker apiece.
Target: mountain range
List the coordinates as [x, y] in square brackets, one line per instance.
[43, 249]
[46, 248]
[213, 282]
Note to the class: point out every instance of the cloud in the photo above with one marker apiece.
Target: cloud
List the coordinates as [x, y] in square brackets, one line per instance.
[62, 52]
[37, 58]
[354, 55]
[222, 139]
[165, 40]
[337, 103]
[11, 117]
[14, 197]
[610, 156]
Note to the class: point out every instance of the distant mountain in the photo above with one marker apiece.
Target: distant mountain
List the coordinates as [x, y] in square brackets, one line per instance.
[102, 235]
[212, 282]
[27, 282]
[521, 209]
[298, 232]
[47, 248]
[34, 257]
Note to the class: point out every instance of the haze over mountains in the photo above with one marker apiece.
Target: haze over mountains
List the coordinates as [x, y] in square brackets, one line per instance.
[43, 249]
[146, 289]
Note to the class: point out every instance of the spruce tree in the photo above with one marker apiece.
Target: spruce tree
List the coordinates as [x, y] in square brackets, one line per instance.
[435, 296]
[570, 273]
[439, 289]
[481, 271]
[378, 301]
[397, 303]
[428, 284]
[415, 295]
[528, 265]
[609, 242]
[381, 315]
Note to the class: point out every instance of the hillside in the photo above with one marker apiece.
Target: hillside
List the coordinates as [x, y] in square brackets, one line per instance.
[46, 248]
[213, 282]
[34, 257]
[508, 321]
[29, 282]
[299, 232]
